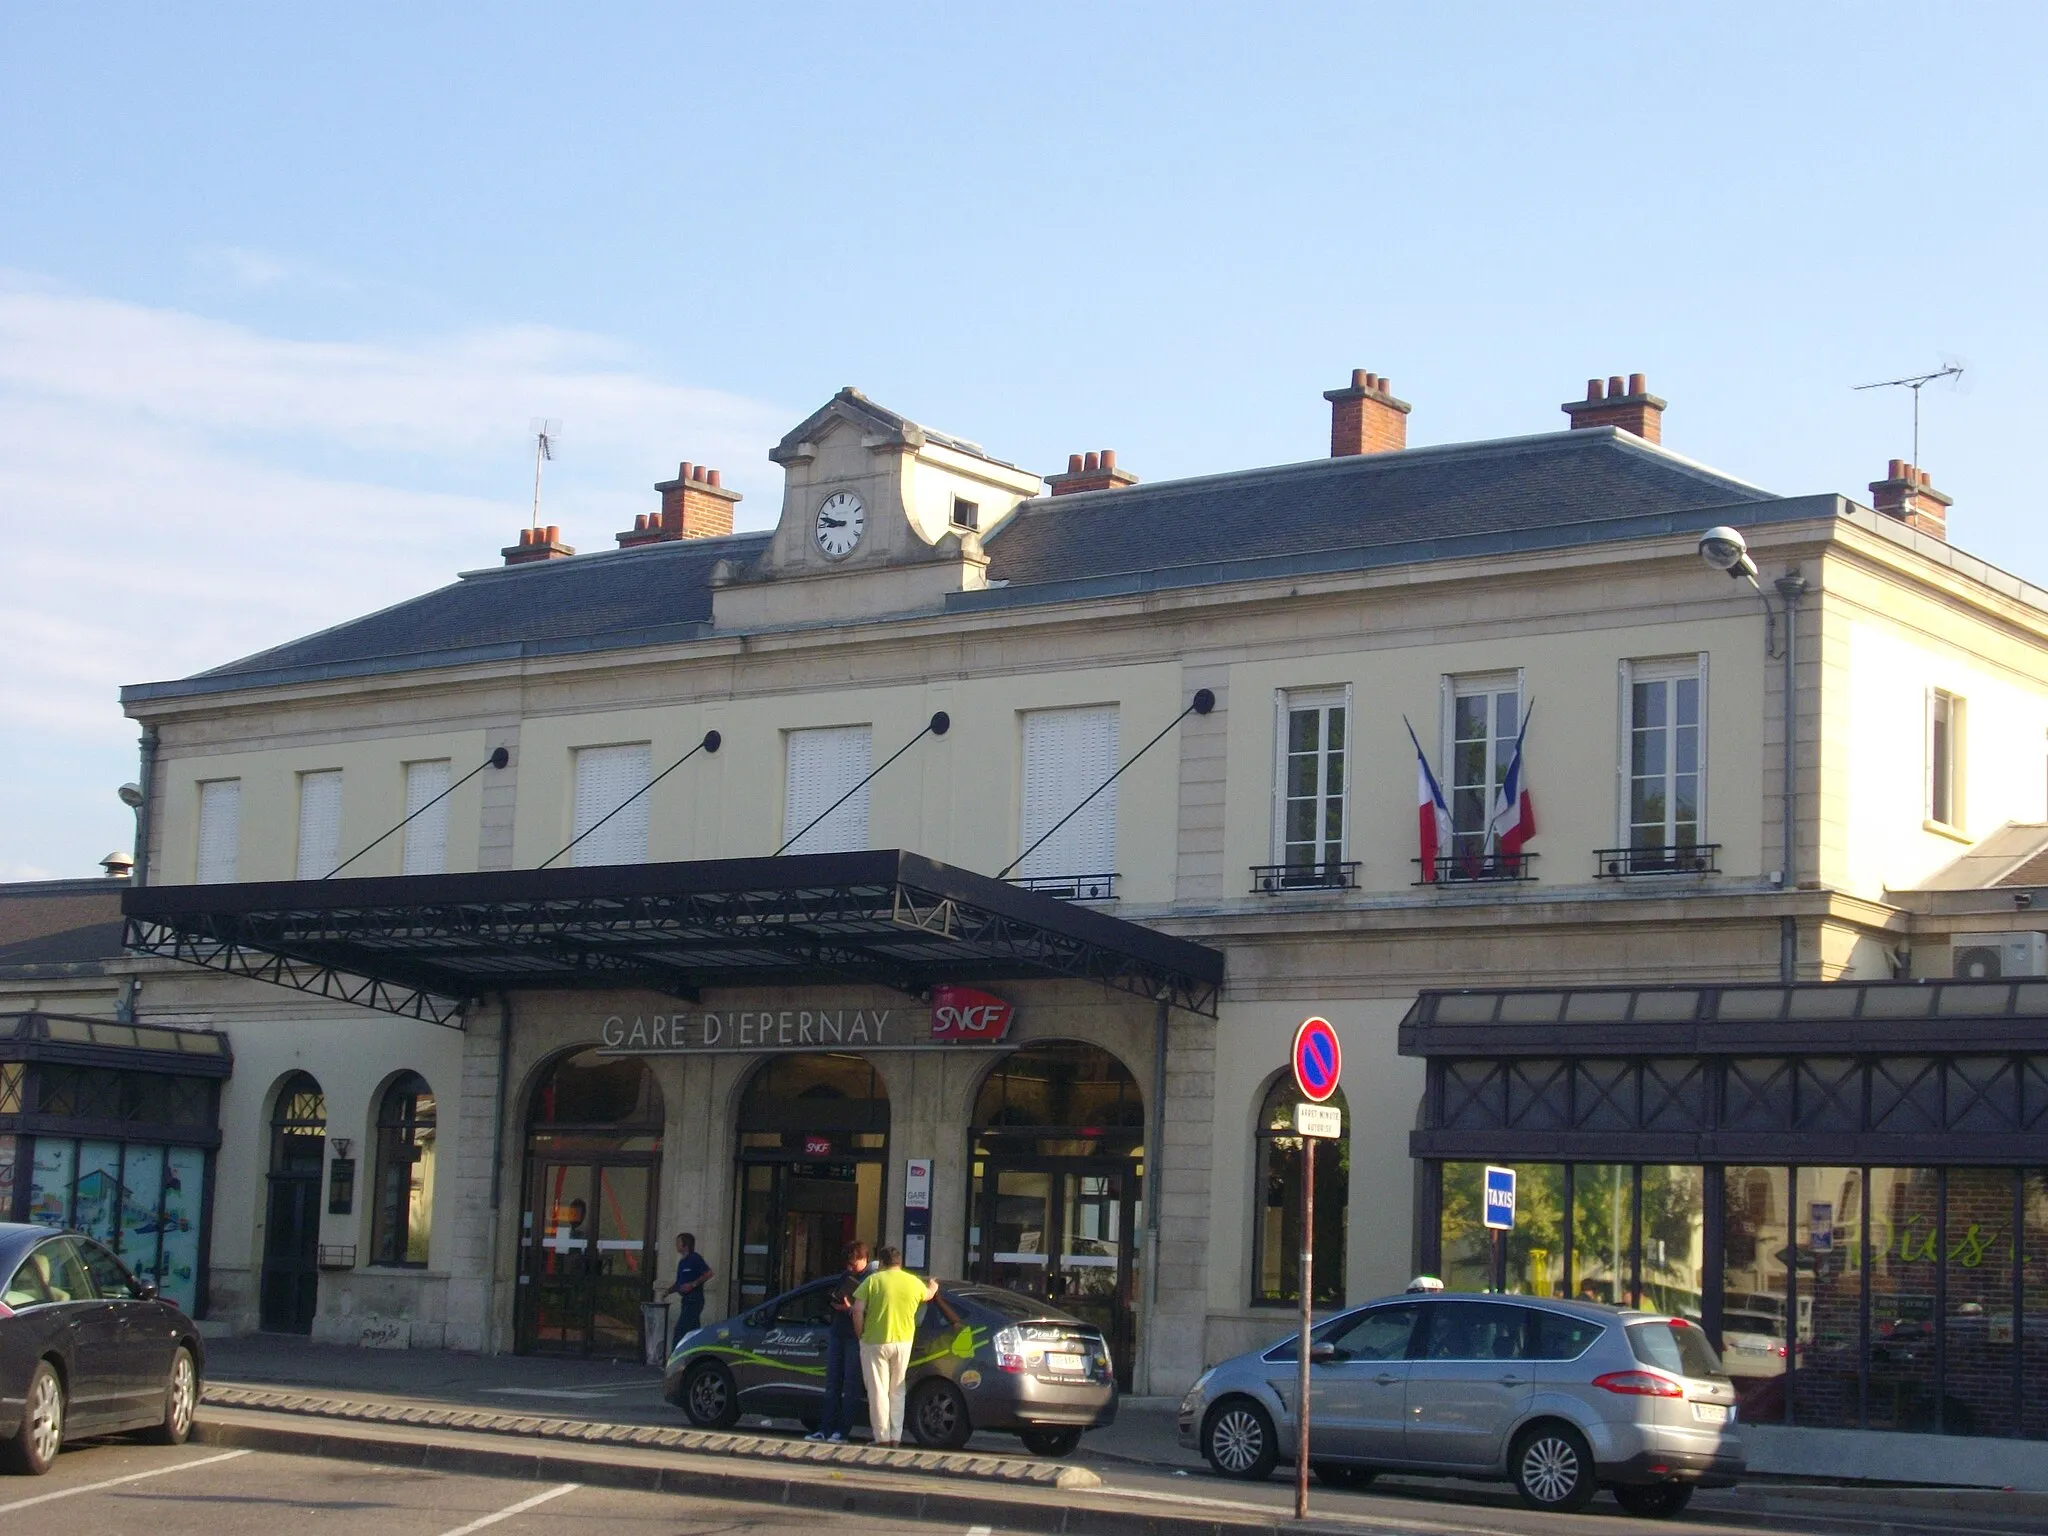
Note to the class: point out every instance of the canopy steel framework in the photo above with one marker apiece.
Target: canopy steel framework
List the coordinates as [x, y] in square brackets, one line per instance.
[421, 946]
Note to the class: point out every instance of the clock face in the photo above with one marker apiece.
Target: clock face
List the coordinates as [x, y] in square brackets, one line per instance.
[841, 522]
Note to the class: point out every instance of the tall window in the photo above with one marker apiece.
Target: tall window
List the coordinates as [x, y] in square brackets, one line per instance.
[1485, 714]
[1312, 778]
[1067, 753]
[402, 1221]
[1944, 758]
[1276, 1214]
[824, 765]
[220, 830]
[1666, 757]
[426, 835]
[607, 778]
[319, 823]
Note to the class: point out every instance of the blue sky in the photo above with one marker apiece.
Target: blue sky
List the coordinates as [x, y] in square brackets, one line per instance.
[280, 291]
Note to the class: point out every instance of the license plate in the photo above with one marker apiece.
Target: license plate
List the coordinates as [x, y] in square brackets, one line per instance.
[1711, 1413]
[1066, 1364]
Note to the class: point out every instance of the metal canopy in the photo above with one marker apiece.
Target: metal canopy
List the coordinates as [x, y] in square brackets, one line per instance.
[421, 945]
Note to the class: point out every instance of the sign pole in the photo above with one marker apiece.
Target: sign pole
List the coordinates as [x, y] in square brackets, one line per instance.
[1308, 1270]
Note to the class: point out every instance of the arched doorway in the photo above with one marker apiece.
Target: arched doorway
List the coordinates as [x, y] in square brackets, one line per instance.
[587, 1251]
[289, 1293]
[813, 1144]
[1058, 1148]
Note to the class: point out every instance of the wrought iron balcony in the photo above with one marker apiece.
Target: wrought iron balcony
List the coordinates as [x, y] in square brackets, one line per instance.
[1070, 887]
[1657, 859]
[1328, 875]
[1495, 868]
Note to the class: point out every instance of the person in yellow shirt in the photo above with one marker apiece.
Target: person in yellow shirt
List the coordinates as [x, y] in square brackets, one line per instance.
[885, 1316]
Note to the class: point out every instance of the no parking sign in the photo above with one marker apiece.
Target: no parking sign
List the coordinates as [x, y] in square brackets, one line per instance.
[1318, 1060]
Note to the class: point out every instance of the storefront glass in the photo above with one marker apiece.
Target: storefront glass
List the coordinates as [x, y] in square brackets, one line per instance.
[1978, 1349]
[1276, 1231]
[1905, 1217]
[1603, 1233]
[401, 1222]
[2031, 1326]
[1535, 1249]
[1826, 1255]
[1753, 1280]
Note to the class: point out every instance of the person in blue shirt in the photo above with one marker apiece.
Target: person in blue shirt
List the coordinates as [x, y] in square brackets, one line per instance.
[842, 1352]
[691, 1274]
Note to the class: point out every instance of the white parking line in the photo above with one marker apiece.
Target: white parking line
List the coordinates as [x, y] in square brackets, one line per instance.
[515, 1509]
[983, 1530]
[132, 1477]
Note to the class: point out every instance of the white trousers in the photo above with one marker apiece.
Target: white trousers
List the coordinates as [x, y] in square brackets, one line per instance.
[884, 1368]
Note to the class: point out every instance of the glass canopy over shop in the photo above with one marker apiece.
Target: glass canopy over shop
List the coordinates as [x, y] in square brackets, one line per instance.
[1846, 1184]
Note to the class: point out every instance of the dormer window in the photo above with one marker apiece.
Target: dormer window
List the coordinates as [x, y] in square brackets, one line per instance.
[966, 514]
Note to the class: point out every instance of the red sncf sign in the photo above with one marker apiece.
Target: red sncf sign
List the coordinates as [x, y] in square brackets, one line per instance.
[969, 1017]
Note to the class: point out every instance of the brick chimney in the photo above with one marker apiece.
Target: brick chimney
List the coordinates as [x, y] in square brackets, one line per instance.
[1909, 495]
[537, 544]
[1629, 406]
[1366, 418]
[1091, 472]
[693, 506]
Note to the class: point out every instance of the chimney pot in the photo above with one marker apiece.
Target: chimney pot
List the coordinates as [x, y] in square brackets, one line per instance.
[1592, 389]
[712, 477]
[554, 534]
[1614, 388]
[1366, 418]
[1073, 463]
[1360, 379]
[1091, 461]
[1109, 458]
[1623, 402]
[1638, 385]
[687, 467]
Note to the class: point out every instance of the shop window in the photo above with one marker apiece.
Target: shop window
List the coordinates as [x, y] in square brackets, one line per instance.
[1603, 1233]
[1484, 715]
[1944, 777]
[1754, 1347]
[220, 830]
[402, 1218]
[611, 804]
[1276, 1216]
[1827, 1284]
[1905, 1217]
[1978, 1344]
[1069, 754]
[319, 824]
[825, 772]
[1534, 1252]
[1311, 803]
[2030, 1327]
[426, 828]
[1663, 754]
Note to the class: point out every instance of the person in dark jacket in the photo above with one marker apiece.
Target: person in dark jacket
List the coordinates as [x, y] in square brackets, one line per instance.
[691, 1273]
[842, 1351]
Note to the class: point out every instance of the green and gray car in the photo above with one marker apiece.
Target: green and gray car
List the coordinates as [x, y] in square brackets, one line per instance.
[984, 1359]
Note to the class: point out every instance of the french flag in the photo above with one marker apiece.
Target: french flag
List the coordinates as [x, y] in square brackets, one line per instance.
[1513, 821]
[1432, 815]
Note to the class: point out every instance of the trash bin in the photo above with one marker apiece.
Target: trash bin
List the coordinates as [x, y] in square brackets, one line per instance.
[654, 1331]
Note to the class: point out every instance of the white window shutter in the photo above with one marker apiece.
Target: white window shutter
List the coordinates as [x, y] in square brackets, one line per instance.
[606, 778]
[319, 824]
[1067, 753]
[220, 830]
[426, 835]
[822, 766]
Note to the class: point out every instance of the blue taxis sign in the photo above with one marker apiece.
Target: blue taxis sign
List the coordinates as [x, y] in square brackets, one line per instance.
[1500, 1199]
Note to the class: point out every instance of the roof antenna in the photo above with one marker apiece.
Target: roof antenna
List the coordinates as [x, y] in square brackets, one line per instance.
[1952, 369]
[546, 432]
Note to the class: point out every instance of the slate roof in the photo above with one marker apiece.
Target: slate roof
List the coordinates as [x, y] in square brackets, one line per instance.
[1560, 488]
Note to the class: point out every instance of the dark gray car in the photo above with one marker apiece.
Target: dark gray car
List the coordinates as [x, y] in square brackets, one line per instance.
[1559, 1397]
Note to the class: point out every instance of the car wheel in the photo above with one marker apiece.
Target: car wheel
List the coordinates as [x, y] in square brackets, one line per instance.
[1050, 1442]
[1658, 1501]
[938, 1416]
[1553, 1468]
[1238, 1440]
[41, 1436]
[710, 1399]
[1342, 1475]
[181, 1397]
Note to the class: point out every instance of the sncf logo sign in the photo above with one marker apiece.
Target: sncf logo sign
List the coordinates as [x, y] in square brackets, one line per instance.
[965, 1016]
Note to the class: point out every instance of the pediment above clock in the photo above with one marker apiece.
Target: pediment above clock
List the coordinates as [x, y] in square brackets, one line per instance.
[878, 426]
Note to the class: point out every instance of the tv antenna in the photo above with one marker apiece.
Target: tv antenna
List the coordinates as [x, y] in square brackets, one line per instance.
[546, 432]
[1952, 369]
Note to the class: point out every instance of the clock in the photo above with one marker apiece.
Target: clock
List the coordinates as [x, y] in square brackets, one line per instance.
[841, 522]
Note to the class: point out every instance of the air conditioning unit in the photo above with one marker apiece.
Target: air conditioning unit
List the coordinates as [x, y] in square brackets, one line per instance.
[1990, 956]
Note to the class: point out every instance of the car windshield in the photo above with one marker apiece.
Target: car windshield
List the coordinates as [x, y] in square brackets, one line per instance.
[1675, 1346]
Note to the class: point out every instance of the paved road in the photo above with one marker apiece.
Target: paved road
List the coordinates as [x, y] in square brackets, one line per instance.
[198, 1490]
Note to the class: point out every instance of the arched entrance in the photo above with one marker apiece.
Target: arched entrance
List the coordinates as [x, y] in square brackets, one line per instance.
[587, 1252]
[290, 1289]
[813, 1144]
[1058, 1148]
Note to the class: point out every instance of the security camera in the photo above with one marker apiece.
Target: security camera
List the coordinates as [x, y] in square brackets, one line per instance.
[1725, 549]
[131, 796]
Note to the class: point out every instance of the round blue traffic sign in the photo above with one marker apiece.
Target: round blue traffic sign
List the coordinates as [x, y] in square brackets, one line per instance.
[1317, 1059]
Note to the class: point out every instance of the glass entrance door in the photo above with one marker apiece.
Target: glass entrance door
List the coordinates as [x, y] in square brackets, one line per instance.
[588, 1262]
[1063, 1231]
[796, 1219]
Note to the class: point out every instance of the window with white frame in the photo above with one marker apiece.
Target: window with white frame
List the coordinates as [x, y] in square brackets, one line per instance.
[1067, 753]
[1485, 712]
[823, 766]
[220, 830]
[426, 827]
[1664, 752]
[1945, 723]
[610, 807]
[319, 823]
[1311, 777]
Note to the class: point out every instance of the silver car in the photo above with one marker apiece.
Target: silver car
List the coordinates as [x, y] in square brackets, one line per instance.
[1561, 1398]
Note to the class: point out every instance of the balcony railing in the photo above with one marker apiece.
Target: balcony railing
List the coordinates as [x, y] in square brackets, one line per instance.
[1070, 887]
[1329, 875]
[1681, 859]
[1472, 868]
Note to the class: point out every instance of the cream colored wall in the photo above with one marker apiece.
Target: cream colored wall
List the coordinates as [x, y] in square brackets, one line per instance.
[372, 801]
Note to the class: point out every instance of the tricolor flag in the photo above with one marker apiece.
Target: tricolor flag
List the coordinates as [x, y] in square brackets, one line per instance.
[1432, 815]
[1513, 821]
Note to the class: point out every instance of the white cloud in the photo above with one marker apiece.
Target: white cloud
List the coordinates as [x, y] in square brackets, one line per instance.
[176, 492]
